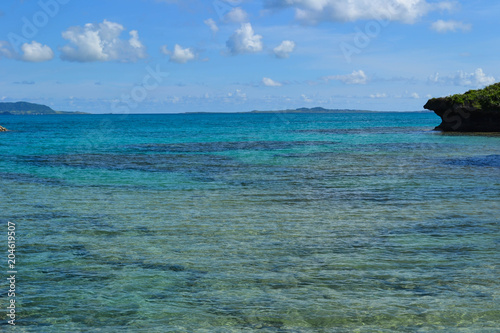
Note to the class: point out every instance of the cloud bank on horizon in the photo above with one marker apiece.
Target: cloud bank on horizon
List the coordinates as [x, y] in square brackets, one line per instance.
[315, 11]
[380, 54]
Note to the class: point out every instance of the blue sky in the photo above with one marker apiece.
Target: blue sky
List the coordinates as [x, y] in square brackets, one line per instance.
[149, 56]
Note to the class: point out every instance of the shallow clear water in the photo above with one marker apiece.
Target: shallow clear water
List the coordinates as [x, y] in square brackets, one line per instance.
[251, 222]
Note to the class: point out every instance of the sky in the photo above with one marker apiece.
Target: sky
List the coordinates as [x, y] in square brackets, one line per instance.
[170, 56]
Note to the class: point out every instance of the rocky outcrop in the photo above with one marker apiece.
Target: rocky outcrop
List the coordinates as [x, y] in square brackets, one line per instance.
[474, 111]
[464, 118]
[3, 129]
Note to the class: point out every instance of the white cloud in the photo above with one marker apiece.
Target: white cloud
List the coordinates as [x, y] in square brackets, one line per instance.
[306, 98]
[173, 99]
[6, 50]
[476, 79]
[244, 40]
[314, 11]
[415, 95]
[481, 79]
[434, 78]
[241, 94]
[179, 55]
[36, 52]
[450, 26]
[283, 50]
[270, 82]
[164, 49]
[238, 95]
[356, 77]
[134, 40]
[212, 25]
[378, 95]
[101, 42]
[236, 15]
[444, 5]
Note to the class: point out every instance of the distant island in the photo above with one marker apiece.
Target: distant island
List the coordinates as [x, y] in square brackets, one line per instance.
[299, 110]
[25, 108]
[312, 110]
[473, 111]
[304, 110]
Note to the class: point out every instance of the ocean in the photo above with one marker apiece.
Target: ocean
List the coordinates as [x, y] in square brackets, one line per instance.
[360, 222]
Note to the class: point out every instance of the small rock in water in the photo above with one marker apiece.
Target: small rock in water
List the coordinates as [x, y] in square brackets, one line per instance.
[3, 129]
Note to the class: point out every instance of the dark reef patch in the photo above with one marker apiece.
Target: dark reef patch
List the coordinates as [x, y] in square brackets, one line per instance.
[367, 130]
[198, 163]
[214, 147]
[478, 161]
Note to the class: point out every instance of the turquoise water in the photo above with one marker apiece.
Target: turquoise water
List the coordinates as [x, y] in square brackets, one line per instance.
[251, 222]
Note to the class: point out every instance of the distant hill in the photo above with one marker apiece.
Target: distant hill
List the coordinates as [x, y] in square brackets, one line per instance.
[299, 110]
[25, 108]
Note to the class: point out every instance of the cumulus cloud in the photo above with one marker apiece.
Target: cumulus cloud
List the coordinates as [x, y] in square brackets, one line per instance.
[314, 11]
[244, 40]
[31, 52]
[179, 55]
[236, 15]
[212, 25]
[283, 50]
[356, 77]
[450, 26]
[36, 52]
[476, 79]
[270, 82]
[101, 42]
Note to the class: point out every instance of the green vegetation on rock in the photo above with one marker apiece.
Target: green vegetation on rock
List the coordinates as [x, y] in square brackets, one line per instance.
[487, 98]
